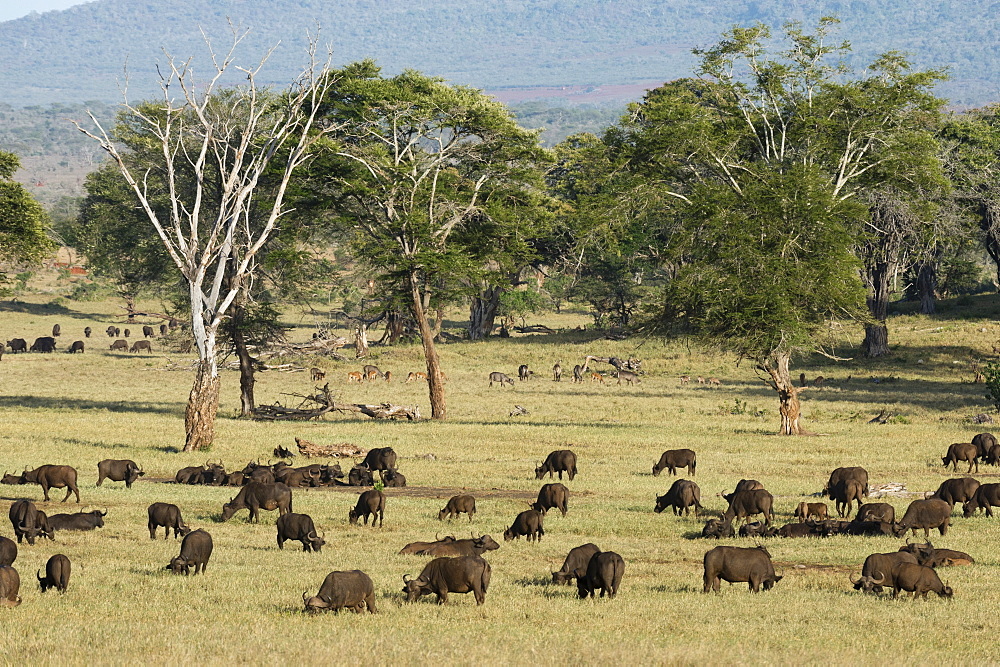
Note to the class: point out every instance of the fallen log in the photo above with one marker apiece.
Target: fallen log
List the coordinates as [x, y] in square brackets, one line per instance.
[630, 364]
[323, 400]
[337, 451]
[535, 328]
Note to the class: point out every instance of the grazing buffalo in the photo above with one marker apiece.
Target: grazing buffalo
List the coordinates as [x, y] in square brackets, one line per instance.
[43, 344]
[737, 564]
[352, 590]
[119, 345]
[475, 546]
[168, 516]
[920, 580]
[8, 551]
[256, 496]
[196, 549]
[78, 521]
[744, 504]
[843, 474]
[458, 504]
[880, 570]
[559, 461]
[394, 478]
[10, 584]
[811, 510]
[370, 503]
[926, 514]
[77, 346]
[147, 331]
[48, 477]
[552, 495]
[141, 346]
[987, 497]
[417, 548]
[984, 442]
[381, 459]
[164, 329]
[501, 379]
[575, 565]
[628, 376]
[527, 523]
[961, 451]
[24, 518]
[118, 471]
[682, 495]
[604, 571]
[463, 574]
[958, 490]
[748, 485]
[672, 459]
[876, 512]
[717, 529]
[927, 555]
[299, 527]
[360, 476]
[57, 571]
[992, 456]
[523, 373]
[17, 345]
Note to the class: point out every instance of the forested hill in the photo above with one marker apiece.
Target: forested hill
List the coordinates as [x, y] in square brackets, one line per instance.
[77, 54]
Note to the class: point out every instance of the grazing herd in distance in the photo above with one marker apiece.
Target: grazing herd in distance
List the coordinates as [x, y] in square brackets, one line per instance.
[48, 343]
[459, 566]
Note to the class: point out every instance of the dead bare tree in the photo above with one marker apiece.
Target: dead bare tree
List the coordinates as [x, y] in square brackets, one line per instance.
[212, 147]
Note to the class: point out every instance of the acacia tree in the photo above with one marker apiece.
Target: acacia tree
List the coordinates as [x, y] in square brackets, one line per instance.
[23, 222]
[763, 156]
[435, 182]
[210, 229]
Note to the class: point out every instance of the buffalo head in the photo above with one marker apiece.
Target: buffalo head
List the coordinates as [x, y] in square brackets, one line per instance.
[414, 588]
[662, 503]
[180, 565]
[315, 604]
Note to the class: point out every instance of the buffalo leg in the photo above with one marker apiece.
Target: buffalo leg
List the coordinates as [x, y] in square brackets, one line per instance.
[281, 543]
[152, 531]
[45, 493]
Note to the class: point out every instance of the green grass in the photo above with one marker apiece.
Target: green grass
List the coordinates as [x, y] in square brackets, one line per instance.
[123, 606]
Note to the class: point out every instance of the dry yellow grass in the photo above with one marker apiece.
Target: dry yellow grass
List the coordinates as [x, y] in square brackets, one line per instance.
[123, 606]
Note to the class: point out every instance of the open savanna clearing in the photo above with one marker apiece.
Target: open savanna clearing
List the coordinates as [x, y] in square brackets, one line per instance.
[123, 606]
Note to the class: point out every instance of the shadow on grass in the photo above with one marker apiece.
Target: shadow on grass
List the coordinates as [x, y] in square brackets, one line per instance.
[47, 309]
[55, 402]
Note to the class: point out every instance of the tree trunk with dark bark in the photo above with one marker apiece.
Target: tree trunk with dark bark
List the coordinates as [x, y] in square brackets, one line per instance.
[876, 342]
[788, 395]
[989, 222]
[927, 287]
[435, 383]
[247, 379]
[360, 341]
[202, 407]
[483, 313]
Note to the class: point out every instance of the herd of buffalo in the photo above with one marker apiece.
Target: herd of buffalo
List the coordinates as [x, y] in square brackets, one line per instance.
[48, 343]
[459, 566]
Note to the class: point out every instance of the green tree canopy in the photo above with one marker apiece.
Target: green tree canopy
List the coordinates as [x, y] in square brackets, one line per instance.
[23, 222]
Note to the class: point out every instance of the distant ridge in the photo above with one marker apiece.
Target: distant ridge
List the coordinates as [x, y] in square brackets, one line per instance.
[77, 54]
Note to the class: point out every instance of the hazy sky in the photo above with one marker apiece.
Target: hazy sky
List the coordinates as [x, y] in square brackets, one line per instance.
[12, 9]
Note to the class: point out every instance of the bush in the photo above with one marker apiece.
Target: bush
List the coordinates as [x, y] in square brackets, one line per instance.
[991, 373]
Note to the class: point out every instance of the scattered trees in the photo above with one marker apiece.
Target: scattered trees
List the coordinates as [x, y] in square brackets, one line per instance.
[23, 222]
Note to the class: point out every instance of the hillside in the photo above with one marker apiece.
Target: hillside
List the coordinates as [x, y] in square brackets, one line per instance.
[78, 54]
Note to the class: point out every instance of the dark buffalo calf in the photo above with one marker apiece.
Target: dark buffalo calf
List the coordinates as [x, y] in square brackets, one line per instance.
[604, 571]
[352, 590]
[196, 549]
[463, 574]
[527, 523]
[672, 459]
[575, 565]
[370, 503]
[57, 571]
[456, 505]
[168, 516]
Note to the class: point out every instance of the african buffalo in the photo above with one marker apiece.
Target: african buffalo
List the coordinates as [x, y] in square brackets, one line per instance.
[141, 346]
[43, 344]
[458, 504]
[360, 476]
[843, 474]
[604, 571]
[256, 496]
[10, 584]
[8, 551]
[370, 503]
[873, 528]
[744, 504]
[575, 565]
[920, 580]
[806, 529]
[299, 527]
[24, 518]
[147, 331]
[523, 373]
[880, 570]
[987, 497]
[927, 555]
[757, 529]
[417, 548]
[393, 478]
[527, 523]
[844, 493]
[79, 521]
[628, 376]
[196, 549]
[57, 570]
[463, 574]
[961, 451]
[552, 495]
[717, 529]
[87, 331]
[77, 346]
[926, 514]
[189, 475]
[957, 490]
[984, 442]
[748, 485]
[380, 459]
[475, 546]
[119, 345]
[682, 495]
[17, 345]
[501, 379]
[352, 590]
[736, 564]
[876, 512]
[672, 459]
[118, 471]
[48, 477]
[168, 516]
[56, 330]
[559, 461]
[806, 510]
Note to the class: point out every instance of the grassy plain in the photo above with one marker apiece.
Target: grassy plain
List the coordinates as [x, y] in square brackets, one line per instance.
[122, 606]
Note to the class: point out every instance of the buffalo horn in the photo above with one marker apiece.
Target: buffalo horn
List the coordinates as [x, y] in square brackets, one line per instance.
[854, 582]
[406, 578]
[881, 579]
[105, 512]
[305, 596]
